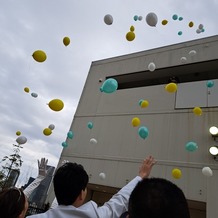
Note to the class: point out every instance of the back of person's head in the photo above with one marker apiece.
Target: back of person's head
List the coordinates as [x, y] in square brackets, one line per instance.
[157, 198]
[12, 202]
[69, 180]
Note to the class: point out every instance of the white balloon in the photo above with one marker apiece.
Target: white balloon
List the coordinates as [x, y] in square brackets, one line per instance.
[151, 66]
[140, 18]
[151, 19]
[183, 60]
[192, 53]
[201, 26]
[102, 176]
[108, 19]
[51, 126]
[35, 95]
[21, 140]
[93, 141]
[198, 31]
[207, 171]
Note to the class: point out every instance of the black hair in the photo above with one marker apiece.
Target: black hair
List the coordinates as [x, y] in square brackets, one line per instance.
[157, 198]
[12, 202]
[69, 180]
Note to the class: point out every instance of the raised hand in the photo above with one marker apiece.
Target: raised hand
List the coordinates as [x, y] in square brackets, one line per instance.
[42, 165]
[146, 167]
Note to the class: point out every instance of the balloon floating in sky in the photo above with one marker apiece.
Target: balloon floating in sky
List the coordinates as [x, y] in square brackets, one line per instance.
[130, 36]
[197, 111]
[135, 17]
[39, 56]
[51, 126]
[64, 144]
[144, 104]
[18, 133]
[102, 176]
[151, 19]
[176, 173]
[180, 33]
[191, 24]
[70, 135]
[210, 83]
[56, 104]
[132, 28]
[206, 171]
[151, 67]
[93, 141]
[175, 17]
[180, 18]
[135, 121]
[26, 89]
[143, 132]
[66, 41]
[192, 53]
[108, 19]
[90, 125]
[34, 95]
[140, 18]
[191, 146]
[109, 86]
[164, 22]
[21, 140]
[47, 132]
[171, 87]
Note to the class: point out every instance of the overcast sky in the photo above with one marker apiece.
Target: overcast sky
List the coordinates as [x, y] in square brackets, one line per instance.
[28, 25]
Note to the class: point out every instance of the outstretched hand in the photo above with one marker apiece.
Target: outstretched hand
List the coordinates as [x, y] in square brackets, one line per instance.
[42, 165]
[146, 167]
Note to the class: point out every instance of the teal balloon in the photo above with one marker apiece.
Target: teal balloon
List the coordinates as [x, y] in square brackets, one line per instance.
[109, 86]
[191, 146]
[175, 17]
[135, 17]
[140, 101]
[143, 132]
[210, 83]
[180, 18]
[64, 144]
[90, 125]
[180, 33]
[70, 134]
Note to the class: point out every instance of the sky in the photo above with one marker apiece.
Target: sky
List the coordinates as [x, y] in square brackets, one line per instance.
[27, 26]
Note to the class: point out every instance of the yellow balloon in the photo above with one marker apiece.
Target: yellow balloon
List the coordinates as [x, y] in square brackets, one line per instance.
[18, 133]
[176, 173]
[130, 36]
[144, 104]
[47, 131]
[39, 56]
[164, 22]
[26, 89]
[132, 28]
[171, 87]
[135, 121]
[56, 104]
[191, 24]
[66, 41]
[197, 111]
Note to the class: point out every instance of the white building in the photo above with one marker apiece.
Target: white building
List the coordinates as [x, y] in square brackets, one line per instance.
[169, 119]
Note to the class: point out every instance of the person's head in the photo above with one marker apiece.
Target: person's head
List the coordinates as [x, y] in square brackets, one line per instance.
[13, 203]
[156, 198]
[70, 182]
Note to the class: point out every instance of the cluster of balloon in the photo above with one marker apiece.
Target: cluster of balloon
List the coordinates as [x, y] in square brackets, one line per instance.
[21, 140]
[135, 121]
[130, 36]
[70, 135]
[151, 19]
[64, 144]
[66, 41]
[108, 19]
[27, 90]
[18, 133]
[210, 83]
[136, 17]
[56, 104]
[200, 29]
[90, 125]
[93, 141]
[143, 132]
[197, 111]
[176, 17]
[171, 87]
[151, 67]
[47, 131]
[109, 86]
[191, 146]
[206, 171]
[102, 176]
[39, 56]
[143, 103]
[176, 173]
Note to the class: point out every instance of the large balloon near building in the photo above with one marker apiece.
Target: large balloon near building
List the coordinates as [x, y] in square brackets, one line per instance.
[143, 132]
[109, 86]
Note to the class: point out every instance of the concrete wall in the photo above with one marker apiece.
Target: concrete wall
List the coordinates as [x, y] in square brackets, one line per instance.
[120, 150]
